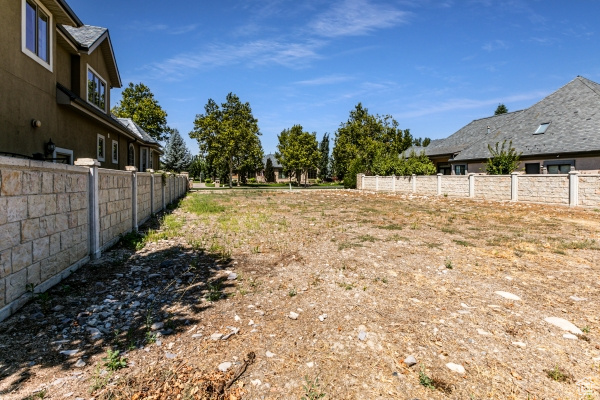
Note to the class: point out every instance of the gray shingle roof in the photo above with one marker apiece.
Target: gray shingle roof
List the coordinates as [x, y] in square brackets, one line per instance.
[86, 35]
[136, 130]
[573, 112]
[276, 163]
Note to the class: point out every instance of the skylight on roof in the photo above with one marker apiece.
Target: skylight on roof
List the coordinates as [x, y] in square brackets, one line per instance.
[542, 128]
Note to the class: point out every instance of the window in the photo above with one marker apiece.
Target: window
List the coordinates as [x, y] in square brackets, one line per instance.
[312, 174]
[532, 168]
[151, 160]
[131, 155]
[96, 90]
[143, 159]
[460, 170]
[542, 128]
[36, 33]
[115, 152]
[444, 170]
[101, 151]
[282, 174]
[559, 167]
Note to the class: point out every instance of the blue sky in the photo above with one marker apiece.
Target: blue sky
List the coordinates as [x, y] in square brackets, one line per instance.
[433, 65]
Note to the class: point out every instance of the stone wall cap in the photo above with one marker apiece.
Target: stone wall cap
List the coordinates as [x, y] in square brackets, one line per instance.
[87, 162]
[131, 168]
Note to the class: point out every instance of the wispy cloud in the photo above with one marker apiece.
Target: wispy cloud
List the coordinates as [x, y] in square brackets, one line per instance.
[148, 27]
[468, 104]
[357, 17]
[260, 52]
[325, 80]
[495, 45]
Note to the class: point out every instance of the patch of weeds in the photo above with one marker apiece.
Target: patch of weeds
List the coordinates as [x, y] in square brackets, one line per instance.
[396, 238]
[99, 379]
[558, 374]
[133, 241]
[347, 286]
[44, 300]
[448, 229]
[113, 361]
[214, 291]
[391, 227]
[150, 337]
[498, 241]
[312, 389]
[414, 226]
[463, 243]
[585, 329]
[448, 264]
[433, 245]
[292, 292]
[367, 238]
[255, 250]
[559, 251]
[39, 395]
[425, 380]
[348, 245]
[585, 244]
[203, 204]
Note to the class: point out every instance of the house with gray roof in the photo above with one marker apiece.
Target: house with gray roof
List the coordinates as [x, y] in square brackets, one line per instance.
[55, 79]
[559, 133]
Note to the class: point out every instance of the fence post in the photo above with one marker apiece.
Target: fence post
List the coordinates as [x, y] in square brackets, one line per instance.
[133, 170]
[414, 183]
[439, 184]
[514, 186]
[151, 191]
[471, 185]
[93, 205]
[393, 183]
[377, 183]
[573, 188]
[163, 183]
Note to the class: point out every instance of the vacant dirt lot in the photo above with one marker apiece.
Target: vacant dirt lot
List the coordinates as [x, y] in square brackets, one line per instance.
[324, 294]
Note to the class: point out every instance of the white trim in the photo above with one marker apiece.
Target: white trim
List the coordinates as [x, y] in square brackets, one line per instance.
[48, 65]
[63, 151]
[87, 88]
[112, 152]
[103, 157]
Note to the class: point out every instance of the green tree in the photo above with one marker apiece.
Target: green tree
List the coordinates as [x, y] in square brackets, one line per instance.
[323, 166]
[501, 109]
[138, 103]
[297, 151]
[228, 137]
[363, 138]
[269, 171]
[197, 167]
[502, 161]
[426, 142]
[177, 157]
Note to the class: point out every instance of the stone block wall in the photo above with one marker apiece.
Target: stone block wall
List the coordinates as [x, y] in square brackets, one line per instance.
[404, 184]
[157, 196]
[426, 185]
[492, 187]
[589, 190]
[43, 226]
[144, 209]
[552, 189]
[455, 185]
[115, 204]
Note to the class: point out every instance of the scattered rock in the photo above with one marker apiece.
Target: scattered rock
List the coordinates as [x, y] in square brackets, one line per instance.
[575, 298]
[310, 364]
[232, 276]
[362, 335]
[322, 317]
[223, 367]
[482, 332]
[519, 344]
[269, 354]
[170, 356]
[507, 295]
[69, 353]
[456, 368]
[80, 363]
[216, 336]
[410, 361]
[564, 325]
[196, 335]
[157, 326]
[293, 315]
[570, 336]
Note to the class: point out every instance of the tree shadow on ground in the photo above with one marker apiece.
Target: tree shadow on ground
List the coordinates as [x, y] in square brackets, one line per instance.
[123, 301]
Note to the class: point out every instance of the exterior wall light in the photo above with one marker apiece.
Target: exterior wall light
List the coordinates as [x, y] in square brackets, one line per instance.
[50, 147]
[36, 123]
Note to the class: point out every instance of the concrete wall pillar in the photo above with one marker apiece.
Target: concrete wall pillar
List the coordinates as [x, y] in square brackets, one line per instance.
[377, 183]
[152, 210]
[573, 189]
[514, 186]
[439, 184]
[471, 185]
[414, 183]
[134, 210]
[394, 183]
[93, 205]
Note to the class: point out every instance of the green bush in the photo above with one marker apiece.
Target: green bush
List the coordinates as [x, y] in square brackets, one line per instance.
[252, 180]
[502, 161]
[208, 180]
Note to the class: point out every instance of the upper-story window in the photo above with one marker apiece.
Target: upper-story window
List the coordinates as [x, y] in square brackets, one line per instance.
[37, 33]
[96, 89]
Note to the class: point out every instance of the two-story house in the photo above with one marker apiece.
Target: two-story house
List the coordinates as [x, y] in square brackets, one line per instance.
[55, 79]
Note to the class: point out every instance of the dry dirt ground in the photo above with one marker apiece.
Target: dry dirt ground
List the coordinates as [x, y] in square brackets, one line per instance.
[323, 294]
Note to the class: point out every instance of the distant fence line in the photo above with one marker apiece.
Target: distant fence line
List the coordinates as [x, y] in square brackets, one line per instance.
[573, 189]
[56, 217]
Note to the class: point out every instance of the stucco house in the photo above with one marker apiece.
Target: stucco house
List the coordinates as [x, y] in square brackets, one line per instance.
[560, 132]
[55, 79]
[280, 175]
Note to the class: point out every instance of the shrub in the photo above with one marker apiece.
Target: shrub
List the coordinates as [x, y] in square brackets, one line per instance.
[252, 180]
[208, 180]
[502, 161]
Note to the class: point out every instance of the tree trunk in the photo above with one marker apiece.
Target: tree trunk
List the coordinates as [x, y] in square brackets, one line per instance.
[230, 172]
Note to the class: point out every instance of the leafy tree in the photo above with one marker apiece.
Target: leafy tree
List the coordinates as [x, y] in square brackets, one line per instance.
[197, 167]
[362, 138]
[177, 157]
[269, 171]
[323, 166]
[426, 142]
[297, 151]
[502, 161]
[139, 104]
[501, 109]
[228, 137]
